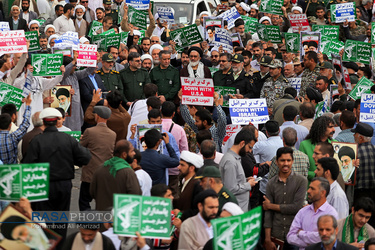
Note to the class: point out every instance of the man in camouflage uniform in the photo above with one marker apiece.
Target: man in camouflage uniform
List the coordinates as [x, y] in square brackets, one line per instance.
[326, 69]
[273, 88]
[310, 73]
[110, 78]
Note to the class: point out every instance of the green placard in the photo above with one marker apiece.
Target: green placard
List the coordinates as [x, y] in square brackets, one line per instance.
[238, 232]
[320, 109]
[24, 180]
[356, 51]
[362, 87]
[75, 134]
[373, 33]
[94, 27]
[271, 6]
[33, 37]
[334, 47]
[292, 42]
[46, 64]
[104, 41]
[150, 216]
[137, 18]
[40, 21]
[269, 33]
[213, 70]
[327, 30]
[108, 32]
[250, 24]
[225, 91]
[124, 37]
[10, 94]
[186, 36]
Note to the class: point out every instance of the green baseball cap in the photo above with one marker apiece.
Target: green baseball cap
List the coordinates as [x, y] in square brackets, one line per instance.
[108, 57]
[325, 65]
[209, 171]
[237, 58]
[107, 2]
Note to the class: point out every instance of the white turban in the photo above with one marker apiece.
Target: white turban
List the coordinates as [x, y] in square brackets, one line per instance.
[245, 6]
[80, 7]
[33, 22]
[155, 46]
[192, 158]
[254, 6]
[83, 39]
[49, 26]
[204, 13]
[264, 19]
[137, 33]
[51, 37]
[146, 56]
[232, 208]
[297, 8]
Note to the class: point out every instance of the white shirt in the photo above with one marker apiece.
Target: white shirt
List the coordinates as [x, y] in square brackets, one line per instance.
[138, 112]
[255, 64]
[209, 229]
[114, 238]
[145, 182]
[158, 31]
[229, 143]
[63, 24]
[337, 199]
[25, 15]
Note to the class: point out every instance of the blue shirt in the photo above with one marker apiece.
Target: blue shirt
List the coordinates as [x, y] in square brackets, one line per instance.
[92, 78]
[302, 131]
[333, 248]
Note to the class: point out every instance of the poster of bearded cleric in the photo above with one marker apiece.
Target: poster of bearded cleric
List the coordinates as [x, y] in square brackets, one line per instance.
[21, 233]
[346, 154]
[62, 98]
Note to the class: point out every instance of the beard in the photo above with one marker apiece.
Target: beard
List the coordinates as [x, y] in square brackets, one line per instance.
[25, 8]
[65, 106]
[80, 16]
[328, 241]
[129, 159]
[206, 217]
[193, 64]
[242, 152]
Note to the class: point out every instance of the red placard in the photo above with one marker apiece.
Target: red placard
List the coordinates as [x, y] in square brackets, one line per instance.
[197, 91]
[87, 55]
[299, 20]
[13, 41]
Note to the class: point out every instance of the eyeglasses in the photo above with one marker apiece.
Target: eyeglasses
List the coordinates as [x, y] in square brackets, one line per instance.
[154, 41]
[34, 28]
[215, 56]
[84, 1]
[222, 61]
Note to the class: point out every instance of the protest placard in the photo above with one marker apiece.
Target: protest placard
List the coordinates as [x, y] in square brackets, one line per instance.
[223, 38]
[186, 36]
[367, 110]
[46, 64]
[324, 41]
[244, 111]
[4, 26]
[225, 92]
[94, 27]
[67, 40]
[343, 12]
[362, 87]
[332, 47]
[124, 37]
[334, 89]
[240, 232]
[210, 24]
[295, 82]
[13, 41]
[137, 18]
[24, 180]
[271, 6]
[321, 108]
[141, 130]
[41, 21]
[213, 70]
[299, 21]
[310, 40]
[236, 40]
[87, 55]
[292, 42]
[331, 31]
[356, 51]
[373, 33]
[10, 94]
[231, 130]
[165, 14]
[337, 64]
[250, 24]
[150, 216]
[197, 91]
[138, 4]
[231, 16]
[269, 33]
[75, 134]
[33, 38]
[104, 41]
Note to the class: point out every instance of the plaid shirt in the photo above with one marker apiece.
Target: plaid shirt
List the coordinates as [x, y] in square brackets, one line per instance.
[345, 136]
[9, 141]
[366, 170]
[300, 164]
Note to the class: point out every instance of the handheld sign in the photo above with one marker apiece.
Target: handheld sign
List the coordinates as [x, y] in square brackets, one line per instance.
[244, 111]
[87, 55]
[250, 24]
[298, 21]
[67, 40]
[137, 18]
[4, 26]
[186, 36]
[238, 232]
[166, 14]
[310, 39]
[150, 216]
[295, 82]
[269, 33]
[24, 180]
[271, 6]
[197, 91]
[13, 41]
[343, 12]
[373, 33]
[46, 64]
[10, 94]
[141, 130]
[33, 38]
[292, 42]
[94, 27]
[210, 24]
[75, 134]
[224, 39]
[356, 51]
[231, 130]
[231, 16]
[337, 63]
[367, 113]
[138, 4]
[332, 47]
[362, 87]
[225, 92]
[327, 30]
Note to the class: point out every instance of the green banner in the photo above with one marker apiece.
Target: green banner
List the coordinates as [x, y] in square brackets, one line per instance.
[292, 42]
[10, 94]
[40, 21]
[373, 33]
[225, 91]
[250, 24]
[356, 51]
[95, 25]
[240, 232]
[104, 41]
[33, 37]
[46, 64]
[321, 108]
[75, 134]
[213, 70]
[269, 33]
[137, 18]
[150, 216]
[271, 6]
[186, 36]
[362, 87]
[334, 47]
[24, 180]
[124, 37]
[327, 30]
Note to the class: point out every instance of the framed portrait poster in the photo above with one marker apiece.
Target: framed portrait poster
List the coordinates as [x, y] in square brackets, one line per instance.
[345, 154]
[62, 98]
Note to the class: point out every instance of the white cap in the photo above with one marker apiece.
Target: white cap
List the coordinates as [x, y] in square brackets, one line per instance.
[232, 208]
[254, 6]
[49, 113]
[137, 33]
[192, 158]
[83, 40]
[245, 6]
[33, 22]
[204, 13]
[49, 26]
[264, 19]
[80, 7]
[146, 56]
[297, 8]
[155, 46]
[156, 16]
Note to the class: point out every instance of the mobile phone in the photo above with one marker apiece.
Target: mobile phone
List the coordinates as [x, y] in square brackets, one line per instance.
[258, 178]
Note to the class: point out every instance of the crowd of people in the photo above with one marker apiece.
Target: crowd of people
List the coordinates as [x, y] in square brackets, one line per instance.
[310, 199]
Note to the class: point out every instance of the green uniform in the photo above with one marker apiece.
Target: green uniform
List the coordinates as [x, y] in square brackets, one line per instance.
[111, 80]
[274, 90]
[167, 80]
[114, 15]
[225, 196]
[220, 79]
[133, 83]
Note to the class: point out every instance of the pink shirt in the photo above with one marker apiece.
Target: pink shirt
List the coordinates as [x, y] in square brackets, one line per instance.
[178, 132]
